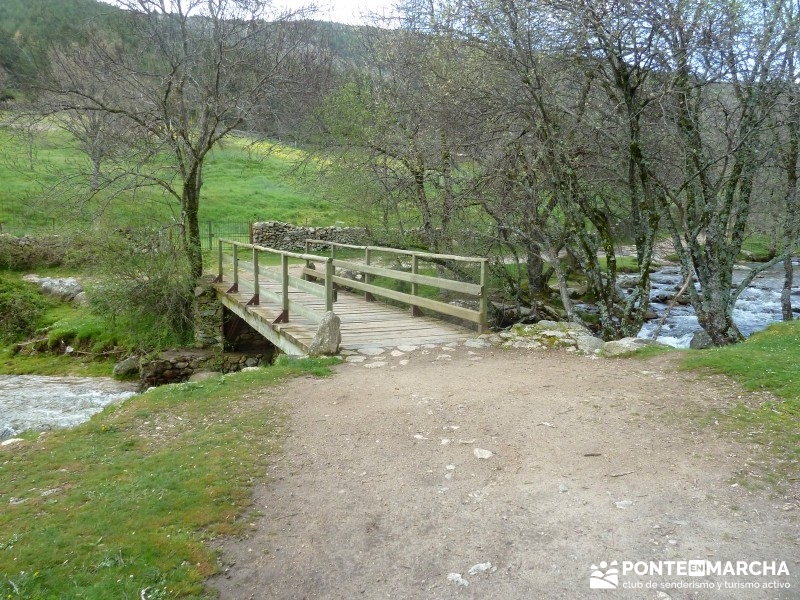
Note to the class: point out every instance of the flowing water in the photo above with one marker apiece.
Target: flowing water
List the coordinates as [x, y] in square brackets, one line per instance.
[758, 306]
[33, 402]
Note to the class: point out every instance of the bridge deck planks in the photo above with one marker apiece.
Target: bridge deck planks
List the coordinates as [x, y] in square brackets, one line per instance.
[363, 324]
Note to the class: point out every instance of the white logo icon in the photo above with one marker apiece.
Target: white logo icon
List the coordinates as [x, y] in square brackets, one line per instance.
[604, 577]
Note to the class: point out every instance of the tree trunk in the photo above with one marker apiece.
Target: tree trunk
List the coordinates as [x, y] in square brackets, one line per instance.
[715, 313]
[786, 292]
[191, 224]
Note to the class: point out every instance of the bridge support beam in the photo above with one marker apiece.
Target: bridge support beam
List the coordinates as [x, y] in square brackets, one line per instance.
[265, 328]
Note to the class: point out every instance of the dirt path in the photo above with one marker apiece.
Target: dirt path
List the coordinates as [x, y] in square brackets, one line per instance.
[380, 494]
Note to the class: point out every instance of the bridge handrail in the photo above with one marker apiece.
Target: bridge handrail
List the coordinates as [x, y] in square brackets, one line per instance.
[480, 290]
[417, 253]
[284, 279]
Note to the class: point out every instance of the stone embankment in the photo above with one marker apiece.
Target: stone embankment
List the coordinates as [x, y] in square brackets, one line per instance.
[179, 366]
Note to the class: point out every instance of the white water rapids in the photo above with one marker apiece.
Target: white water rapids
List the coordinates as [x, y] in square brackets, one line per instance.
[33, 402]
[757, 306]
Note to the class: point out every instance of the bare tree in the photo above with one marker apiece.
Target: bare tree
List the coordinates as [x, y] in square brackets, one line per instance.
[788, 145]
[721, 59]
[399, 124]
[180, 76]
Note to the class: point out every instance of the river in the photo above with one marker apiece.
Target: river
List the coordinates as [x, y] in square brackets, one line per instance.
[39, 403]
[758, 306]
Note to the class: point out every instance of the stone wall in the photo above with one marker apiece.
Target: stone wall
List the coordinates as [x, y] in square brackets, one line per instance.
[207, 316]
[178, 366]
[283, 236]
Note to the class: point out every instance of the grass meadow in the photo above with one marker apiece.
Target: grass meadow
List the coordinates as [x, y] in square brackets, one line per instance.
[44, 188]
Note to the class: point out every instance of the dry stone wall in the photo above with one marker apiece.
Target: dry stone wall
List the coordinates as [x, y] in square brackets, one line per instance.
[178, 366]
[284, 236]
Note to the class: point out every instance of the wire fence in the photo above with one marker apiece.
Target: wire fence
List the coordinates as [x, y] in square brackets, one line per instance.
[211, 231]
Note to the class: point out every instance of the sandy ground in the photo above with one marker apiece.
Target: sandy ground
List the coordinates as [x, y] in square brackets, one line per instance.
[380, 492]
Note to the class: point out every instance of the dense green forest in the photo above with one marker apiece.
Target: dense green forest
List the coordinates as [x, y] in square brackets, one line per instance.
[551, 134]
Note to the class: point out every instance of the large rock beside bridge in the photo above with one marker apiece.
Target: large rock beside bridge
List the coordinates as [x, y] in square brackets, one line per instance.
[328, 337]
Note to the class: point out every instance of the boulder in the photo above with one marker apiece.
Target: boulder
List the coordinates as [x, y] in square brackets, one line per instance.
[328, 336]
[129, 366]
[65, 289]
[552, 334]
[701, 341]
[627, 345]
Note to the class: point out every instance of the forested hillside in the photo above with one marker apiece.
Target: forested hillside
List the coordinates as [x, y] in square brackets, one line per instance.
[29, 27]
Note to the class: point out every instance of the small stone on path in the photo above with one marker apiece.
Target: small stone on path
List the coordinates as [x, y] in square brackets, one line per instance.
[375, 365]
[477, 343]
[355, 359]
[11, 441]
[404, 362]
[481, 568]
[397, 353]
[623, 504]
[407, 348]
[482, 454]
[371, 351]
[457, 579]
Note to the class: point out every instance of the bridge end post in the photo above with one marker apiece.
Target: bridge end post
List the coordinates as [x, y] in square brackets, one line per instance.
[256, 299]
[367, 259]
[285, 288]
[415, 311]
[483, 308]
[329, 285]
[219, 262]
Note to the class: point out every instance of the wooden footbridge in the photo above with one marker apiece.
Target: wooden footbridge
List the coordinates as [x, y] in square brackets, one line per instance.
[285, 295]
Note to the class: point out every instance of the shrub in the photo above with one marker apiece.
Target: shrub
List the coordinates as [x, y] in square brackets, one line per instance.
[147, 288]
[28, 252]
[21, 308]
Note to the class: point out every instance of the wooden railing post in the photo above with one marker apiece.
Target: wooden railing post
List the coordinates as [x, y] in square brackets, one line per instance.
[367, 259]
[329, 285]
[285, 287]
[219, 259]
[415, 311]
[256, 288]
[308, 262]
[483, 307]
[235, 286]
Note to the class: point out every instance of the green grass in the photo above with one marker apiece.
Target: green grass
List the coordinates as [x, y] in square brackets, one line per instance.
[767, 361]
[124, 505]
[242, 182]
